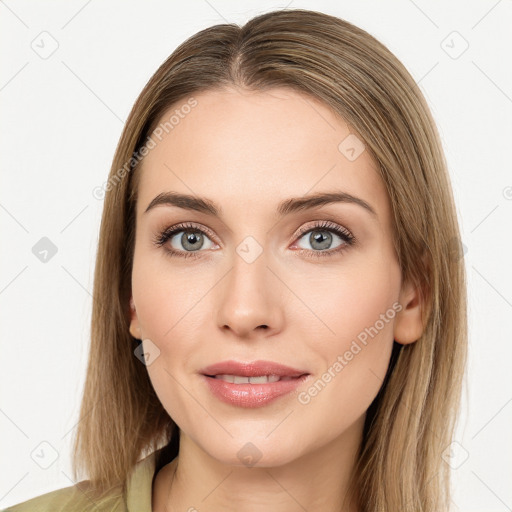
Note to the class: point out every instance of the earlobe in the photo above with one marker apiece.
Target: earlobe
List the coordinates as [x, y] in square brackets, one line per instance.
[409, 321]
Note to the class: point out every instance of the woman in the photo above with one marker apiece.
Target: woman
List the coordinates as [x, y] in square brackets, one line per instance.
[279, 316]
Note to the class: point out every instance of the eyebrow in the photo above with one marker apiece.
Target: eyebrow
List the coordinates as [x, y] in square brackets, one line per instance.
[292, 205]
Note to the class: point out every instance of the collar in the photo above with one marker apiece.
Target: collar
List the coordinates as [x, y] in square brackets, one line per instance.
[140, 484]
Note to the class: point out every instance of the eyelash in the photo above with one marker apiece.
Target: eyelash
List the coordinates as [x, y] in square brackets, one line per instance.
[161, 238]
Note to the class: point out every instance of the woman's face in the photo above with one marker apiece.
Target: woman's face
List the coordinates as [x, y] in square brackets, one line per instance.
[263, 279]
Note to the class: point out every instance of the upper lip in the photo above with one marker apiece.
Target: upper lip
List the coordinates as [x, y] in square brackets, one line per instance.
[252, 369]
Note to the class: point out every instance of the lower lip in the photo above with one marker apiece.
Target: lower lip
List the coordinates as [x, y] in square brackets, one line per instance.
[252, 395]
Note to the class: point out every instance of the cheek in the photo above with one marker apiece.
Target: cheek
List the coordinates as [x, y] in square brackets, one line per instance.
[173, 306]
[165, 301]
[348, 300]
[359, 310]
[164, 295]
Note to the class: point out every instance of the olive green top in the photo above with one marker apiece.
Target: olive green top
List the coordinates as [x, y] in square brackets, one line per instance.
[135, 497]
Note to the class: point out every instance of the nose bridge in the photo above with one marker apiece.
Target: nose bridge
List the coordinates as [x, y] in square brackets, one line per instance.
[247, 298]
[249, 269]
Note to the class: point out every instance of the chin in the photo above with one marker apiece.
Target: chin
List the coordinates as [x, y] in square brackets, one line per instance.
[252, 451]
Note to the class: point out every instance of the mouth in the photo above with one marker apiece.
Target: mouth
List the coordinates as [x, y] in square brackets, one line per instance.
[252, 385]
[260, 379]
[254, 372]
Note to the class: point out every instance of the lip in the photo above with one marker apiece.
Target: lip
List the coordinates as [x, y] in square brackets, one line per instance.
[251, 369]
[252, 395]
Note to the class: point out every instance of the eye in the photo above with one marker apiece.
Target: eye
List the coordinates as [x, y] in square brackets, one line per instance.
[184, 240]
[320, 239]
[187, 239]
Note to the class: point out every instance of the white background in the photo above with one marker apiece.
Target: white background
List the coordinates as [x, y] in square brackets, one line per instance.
[61, 120]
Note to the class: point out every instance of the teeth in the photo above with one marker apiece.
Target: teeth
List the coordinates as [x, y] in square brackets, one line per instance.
[263, 379]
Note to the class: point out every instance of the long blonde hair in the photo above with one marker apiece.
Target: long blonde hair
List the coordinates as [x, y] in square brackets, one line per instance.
[411, 422]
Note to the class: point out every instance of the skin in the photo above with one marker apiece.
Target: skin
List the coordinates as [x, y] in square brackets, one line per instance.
[247, 151]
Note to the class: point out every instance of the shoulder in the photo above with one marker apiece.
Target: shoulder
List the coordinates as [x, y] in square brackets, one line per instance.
[134, 496]
[70, 499]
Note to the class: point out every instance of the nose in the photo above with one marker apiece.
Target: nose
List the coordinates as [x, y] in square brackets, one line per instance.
[249, 299]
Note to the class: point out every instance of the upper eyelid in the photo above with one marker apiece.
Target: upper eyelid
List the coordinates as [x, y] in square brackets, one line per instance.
[316, 225]
[180, 227]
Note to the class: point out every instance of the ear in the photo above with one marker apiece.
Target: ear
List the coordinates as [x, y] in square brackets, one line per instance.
[409, 321]
[134, 321]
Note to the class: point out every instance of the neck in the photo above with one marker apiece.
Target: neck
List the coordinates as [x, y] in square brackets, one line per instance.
[317, 480]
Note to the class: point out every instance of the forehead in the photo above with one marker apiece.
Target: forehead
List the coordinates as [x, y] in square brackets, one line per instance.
[250, 149]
